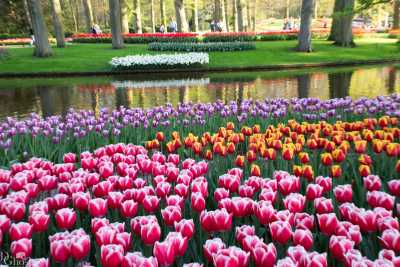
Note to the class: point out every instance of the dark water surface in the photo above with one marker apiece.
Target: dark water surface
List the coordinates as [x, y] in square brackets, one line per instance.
[19, 97]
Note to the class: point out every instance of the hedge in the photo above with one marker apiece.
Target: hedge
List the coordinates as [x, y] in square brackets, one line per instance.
[202, 47]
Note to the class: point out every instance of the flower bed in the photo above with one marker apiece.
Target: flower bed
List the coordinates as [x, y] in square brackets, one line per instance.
[15, 41]
[229, 37]
[160, 61]
[202, 47]
[285, 194]
[137, 38]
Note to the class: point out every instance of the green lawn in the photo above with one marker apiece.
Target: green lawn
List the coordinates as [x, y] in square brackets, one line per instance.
[95, 57]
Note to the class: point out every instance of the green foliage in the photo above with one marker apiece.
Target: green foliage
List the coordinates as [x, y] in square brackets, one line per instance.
[4, 36]
[229, 37]
[136, 40]
[276, 37]
[202, 47]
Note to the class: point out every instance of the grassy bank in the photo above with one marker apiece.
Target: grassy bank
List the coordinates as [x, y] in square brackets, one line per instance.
[95, 57]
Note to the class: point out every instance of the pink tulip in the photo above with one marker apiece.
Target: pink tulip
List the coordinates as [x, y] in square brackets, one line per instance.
[21, 249]
[281, 231]
[65, 218]
[111, 255]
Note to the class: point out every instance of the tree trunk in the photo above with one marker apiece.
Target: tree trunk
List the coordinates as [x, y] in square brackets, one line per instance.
[235, 16]
[28, 16]
[339, 84]
[87, 8]
[396, 14]
[138, 16]
[42, 46]
[226, 15]
[341, 31]
[57, 22]
[303, 85]
[124, 16]
[152, 17]
[195, 15]
[287, 9]
[219, 11]
[181, 16]
[307, 8]
[76, 4]
[316, 6]
[115, 21]
[162, 13]
[248, 15]
[254, 16]
[240, 19]
[74, 20]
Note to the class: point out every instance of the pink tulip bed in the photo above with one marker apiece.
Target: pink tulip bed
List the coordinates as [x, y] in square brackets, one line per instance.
[122, 205]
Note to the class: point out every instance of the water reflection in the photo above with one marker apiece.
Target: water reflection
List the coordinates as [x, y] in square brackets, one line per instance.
[56, 96]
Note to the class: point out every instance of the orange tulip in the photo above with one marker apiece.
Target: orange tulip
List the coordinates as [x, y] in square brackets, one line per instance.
[251, 156]
[197, 147]
[218, 147]
[247, 131]
[336, 171]
[256, 128]
[177, 143]
[207, 136]
[379, 134]
[277, 144]
[271, 154]
[308, 172]
[365, 159]
[253, 146]
[383, 121]
[235, 138]
[360, 146]
[398, 166]
[368, 135]
[298, 147]
[329, 146]
[175, 135]
[377, 145]
[230, 125]
[208, 155]
[297, 170]
[240, 161]
[338, 155]
[304, 158]
[364, 170]
[170, 147]
[337, 139]
[189, 142]
[326, 159]
[222, 132]
[312, 144]
[255, 170]
[345, 146]
[287, 152]
[392, 149]
[230, 147]
[160, 136]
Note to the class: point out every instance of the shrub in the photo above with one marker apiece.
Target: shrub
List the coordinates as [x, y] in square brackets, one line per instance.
[134, 38]
[161, 61]
[202, 47]
[13, 36]
[229, 37]
[277, 37]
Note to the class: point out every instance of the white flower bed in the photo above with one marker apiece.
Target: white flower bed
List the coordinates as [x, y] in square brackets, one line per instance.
[160, 61]
[160, 83]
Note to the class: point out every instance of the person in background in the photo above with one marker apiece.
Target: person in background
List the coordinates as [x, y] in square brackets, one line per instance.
[32, 42]
[162, 28]
[173, 26]
[219, 26]
[97, 29]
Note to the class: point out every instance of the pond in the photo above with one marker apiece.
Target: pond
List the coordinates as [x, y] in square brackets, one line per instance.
[19, 97]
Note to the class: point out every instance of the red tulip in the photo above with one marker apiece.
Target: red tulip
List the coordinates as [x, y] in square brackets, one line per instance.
[211, 247]
[21, 249]
[185, 227]
[304, 221]
[229, 182]
[105, 235]
[97, 207]
[326, 159]
[39, 221]
[216, 221]
[372, 183]
[179, 242]
[390, 239]
[69, 158]
[150, 203]
[325, 182]
[243, 231]
[297, 253]
[129, 208]
[349, 230]
[102, 189]
[124, 239]
[394, 187]
[388, 223]
[294, 202]
[343, 193]
[364, 170]
[241, 207]
[264, 211]
[323, 205]
[198, 202]
[20, 230]
[165, 253]
[60, 250]
[328, 223]
[268, 194]
[281, 231]
[65, 218]
[80, 247]
[111, 255]
[303, 238]
[114, 200]
[221, 193]
[150, 233]
[314, 191]
[380, 199]
[315, 259]
[5, 223]
[137, 259]
[264, 255]
[81, 200]
[171, 214]
[289, 184]
[15, 211]
[223, 259]
[367, 220]
[339, 246]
